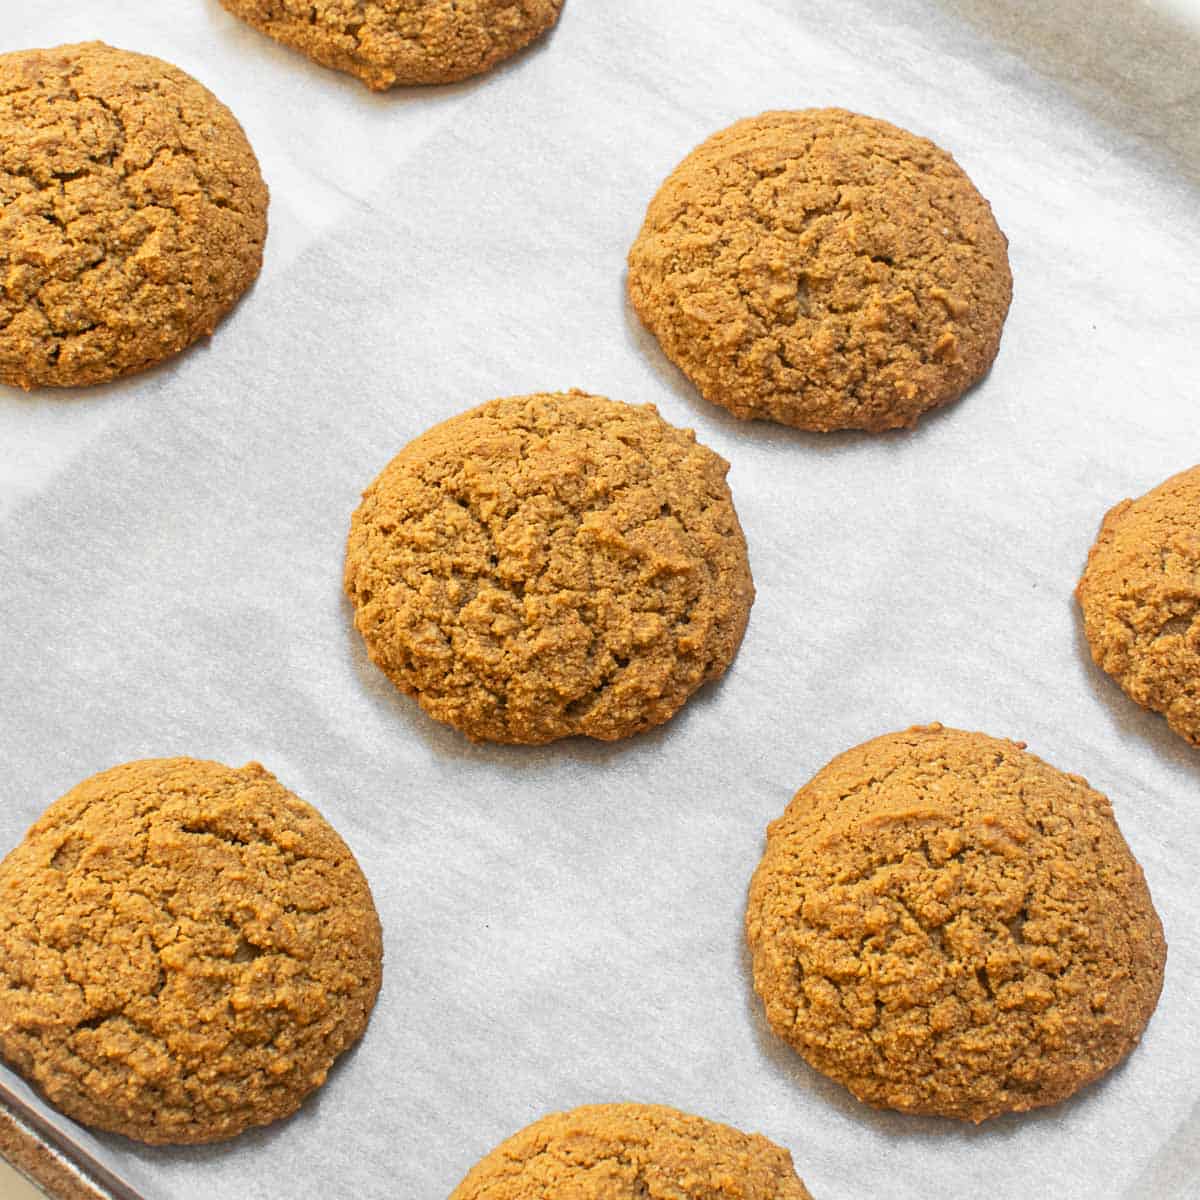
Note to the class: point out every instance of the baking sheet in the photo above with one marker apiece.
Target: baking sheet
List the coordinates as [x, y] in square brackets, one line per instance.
[563, 925]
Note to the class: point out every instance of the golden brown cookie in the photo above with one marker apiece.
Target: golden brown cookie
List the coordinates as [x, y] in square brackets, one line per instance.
[822, 269]
[946, 924]
[632, 1152]
[185, 949]
[550, 565]
[1140, 596]
[132, 214]
[390, 42]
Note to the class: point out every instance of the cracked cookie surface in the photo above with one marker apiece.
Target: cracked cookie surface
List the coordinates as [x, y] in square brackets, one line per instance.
[632, 1152]
[822, 269]
[1140, 598]
[185, 949]
[550, 565]
[946, 924]
[132, 214]
[387, 43]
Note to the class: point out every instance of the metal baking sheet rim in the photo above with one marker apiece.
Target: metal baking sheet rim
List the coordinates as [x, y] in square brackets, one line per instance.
[60, 1168]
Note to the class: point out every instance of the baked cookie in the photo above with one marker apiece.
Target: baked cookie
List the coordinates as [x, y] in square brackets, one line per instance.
[822, 269]
[946, 924]
[132, 214]
[390, 42]
[631, 1152]
[1140, 596]
[185, 949]
[550, 565]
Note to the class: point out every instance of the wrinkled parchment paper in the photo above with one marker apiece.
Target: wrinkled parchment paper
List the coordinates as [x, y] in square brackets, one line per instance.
[563, 925]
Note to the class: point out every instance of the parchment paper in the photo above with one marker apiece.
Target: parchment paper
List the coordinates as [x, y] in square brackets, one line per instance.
[564, 925]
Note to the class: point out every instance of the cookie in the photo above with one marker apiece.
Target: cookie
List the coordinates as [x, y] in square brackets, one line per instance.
[550, 565]
[185, 949]
[1140, 596]
[630, 1152]
[132, 214]
[945, 924]
[822, 269]
[390, 42]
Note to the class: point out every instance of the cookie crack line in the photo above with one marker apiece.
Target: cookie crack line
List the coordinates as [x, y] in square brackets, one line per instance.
[387, 44]
[806, 285]
[919, 942]
[550, 565]
[1139, 596]
[168, 970]
[520, 587]
[634, 1152]
[129, 238]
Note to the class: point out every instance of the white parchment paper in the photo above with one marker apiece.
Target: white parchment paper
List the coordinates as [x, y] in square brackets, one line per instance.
[563, 925]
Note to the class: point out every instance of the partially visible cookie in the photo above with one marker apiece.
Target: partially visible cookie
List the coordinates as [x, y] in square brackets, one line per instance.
[822, 269]
[946, 924]
[132, 214]
[386, 43]
[550, 565]
[632, 1152]
[1140, 596]
[185, 949]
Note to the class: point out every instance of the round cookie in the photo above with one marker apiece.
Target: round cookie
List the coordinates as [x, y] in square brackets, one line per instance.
[185, 949]
[550, 565]
[822, 269]
[1140, 596]
[630, 1152]
[132, 214]
[390, 42]
[945, 924]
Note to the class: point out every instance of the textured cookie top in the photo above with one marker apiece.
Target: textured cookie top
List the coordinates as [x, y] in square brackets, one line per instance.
[946, 924]
[550, 565]
[184, 951]
[1140, 596]
[822, 269]
[390, 42]
[132, 213]
[632, 1152]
